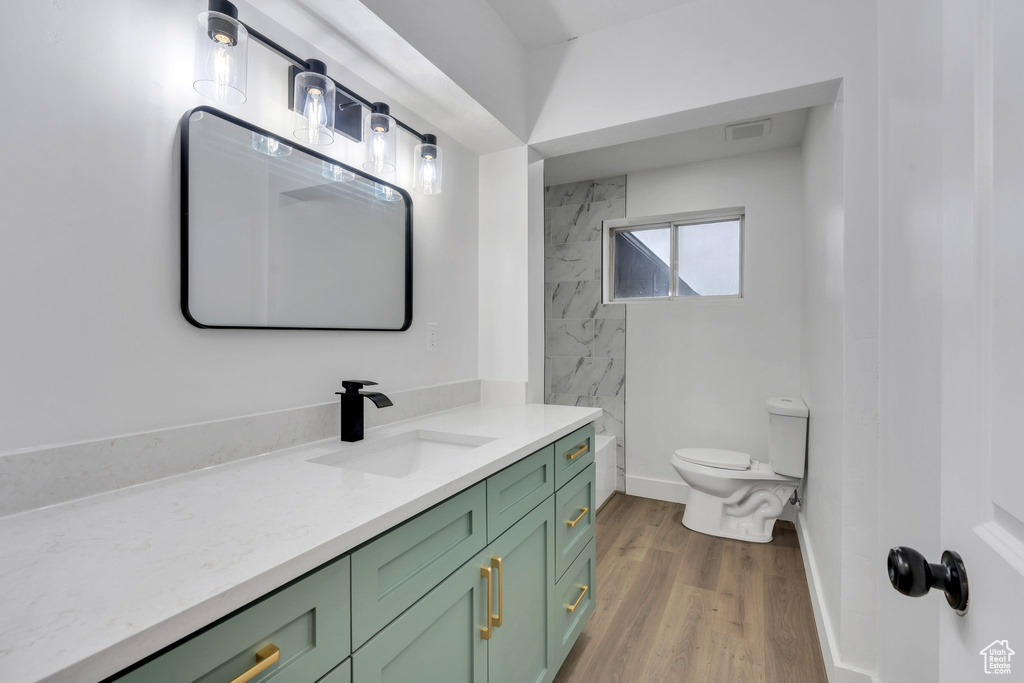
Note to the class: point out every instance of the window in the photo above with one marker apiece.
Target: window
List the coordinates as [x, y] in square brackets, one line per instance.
[665, 257]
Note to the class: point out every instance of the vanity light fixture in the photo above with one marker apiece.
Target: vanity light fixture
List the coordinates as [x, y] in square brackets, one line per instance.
[313, 95]
[426, 165]
[222, 42]
[272, 147]
[379, 136]
[325, 106]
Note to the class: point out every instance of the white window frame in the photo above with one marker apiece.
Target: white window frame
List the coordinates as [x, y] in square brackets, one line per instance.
[671, 221]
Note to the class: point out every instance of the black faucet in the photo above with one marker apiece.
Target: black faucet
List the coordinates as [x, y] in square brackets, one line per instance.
[352, 407]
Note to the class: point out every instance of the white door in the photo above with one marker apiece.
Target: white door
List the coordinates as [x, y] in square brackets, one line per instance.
[982, 495]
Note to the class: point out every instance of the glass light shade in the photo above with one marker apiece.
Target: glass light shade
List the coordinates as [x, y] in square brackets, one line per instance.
[380, 141]
[426, 165]
[336, 173]
[272, 147]
[387, 194]
[222, 45]
[314, 100]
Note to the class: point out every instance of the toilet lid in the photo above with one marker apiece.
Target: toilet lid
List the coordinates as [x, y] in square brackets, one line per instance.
[714, 457]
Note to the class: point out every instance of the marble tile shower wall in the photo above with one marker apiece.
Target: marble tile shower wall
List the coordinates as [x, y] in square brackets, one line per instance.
[585, 340]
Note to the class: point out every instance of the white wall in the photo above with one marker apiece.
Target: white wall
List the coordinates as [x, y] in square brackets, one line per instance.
[469, 42]
[504, 276]
[695, 55]
[94, 343]
[911, 87]
[708, 53]
[822, 361]
[698, 372]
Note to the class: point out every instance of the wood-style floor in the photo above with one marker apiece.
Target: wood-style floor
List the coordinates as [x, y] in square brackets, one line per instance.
[676, 605]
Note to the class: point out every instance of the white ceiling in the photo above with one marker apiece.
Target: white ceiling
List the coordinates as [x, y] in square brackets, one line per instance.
[539, 23]
[687, 147]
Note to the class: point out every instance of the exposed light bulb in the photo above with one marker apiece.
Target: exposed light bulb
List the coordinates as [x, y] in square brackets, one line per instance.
[315, 113]
[428, 174]
[427, 166]
[380, 149]
[379, 140]
[221, 66]
[220, 55]
[313, 96]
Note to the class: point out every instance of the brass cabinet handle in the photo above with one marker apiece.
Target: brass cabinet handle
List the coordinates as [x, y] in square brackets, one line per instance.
[580, 450]
[583, 513]
[486, 631]
[496, 563]
[265, 659]
[572, 607]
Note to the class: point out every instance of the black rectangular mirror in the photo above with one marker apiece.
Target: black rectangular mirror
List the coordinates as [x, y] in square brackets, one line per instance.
[274, 235]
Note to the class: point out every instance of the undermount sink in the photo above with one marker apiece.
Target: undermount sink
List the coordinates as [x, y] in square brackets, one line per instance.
[403, 454]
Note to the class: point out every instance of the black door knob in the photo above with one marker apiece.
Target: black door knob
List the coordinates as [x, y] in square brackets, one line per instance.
[913, 575]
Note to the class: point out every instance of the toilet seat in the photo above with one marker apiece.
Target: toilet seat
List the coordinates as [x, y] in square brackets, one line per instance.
[714, 457]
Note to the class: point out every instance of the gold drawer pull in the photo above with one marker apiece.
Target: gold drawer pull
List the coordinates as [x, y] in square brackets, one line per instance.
[572, 608]
[496, 563]
[265, 658]
[580, 450]
[486, 631]
[583, 513]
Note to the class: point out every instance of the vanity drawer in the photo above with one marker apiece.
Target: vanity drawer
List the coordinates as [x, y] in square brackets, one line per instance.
[574, 519]
[573, 453]
[395, 570]
[573, 602]
[304, 629]
[519, 488]
[339, 674]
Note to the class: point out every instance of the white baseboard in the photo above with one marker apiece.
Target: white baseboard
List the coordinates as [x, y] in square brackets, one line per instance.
[677, 492]
[658, 489]
[835, 669]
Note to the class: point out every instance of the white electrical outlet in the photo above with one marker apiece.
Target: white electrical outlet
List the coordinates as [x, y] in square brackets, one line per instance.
[431, 337]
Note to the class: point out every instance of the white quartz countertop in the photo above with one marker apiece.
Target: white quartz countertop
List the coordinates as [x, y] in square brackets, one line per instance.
[91, 586]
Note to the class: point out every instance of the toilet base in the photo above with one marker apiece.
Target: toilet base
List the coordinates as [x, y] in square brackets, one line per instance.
[751, 519]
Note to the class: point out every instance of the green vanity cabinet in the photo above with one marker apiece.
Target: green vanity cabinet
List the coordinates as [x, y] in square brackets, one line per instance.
[295, 635]
[519, 650]
[440, 638]
[492, 585]
[396, 569]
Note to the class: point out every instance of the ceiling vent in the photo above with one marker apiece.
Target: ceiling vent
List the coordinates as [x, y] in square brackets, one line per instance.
[747, 130]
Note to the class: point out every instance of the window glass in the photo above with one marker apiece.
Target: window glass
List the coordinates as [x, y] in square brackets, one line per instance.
[709, 259]
[643, 261]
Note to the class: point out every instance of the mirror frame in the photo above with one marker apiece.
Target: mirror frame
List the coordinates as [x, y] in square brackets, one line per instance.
[185, 225]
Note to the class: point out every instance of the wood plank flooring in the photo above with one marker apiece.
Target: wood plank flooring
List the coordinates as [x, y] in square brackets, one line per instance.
[675, 605]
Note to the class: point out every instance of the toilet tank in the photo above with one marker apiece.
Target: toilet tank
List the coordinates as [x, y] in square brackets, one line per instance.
[787, 449]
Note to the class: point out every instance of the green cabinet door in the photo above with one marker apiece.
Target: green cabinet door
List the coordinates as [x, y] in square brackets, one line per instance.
[520, 652]
[440, 638]
[574, 507]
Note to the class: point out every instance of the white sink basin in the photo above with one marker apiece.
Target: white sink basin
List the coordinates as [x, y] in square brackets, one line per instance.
[403, 454]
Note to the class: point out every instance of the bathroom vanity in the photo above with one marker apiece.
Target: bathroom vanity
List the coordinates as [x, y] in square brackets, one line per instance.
[456, 547]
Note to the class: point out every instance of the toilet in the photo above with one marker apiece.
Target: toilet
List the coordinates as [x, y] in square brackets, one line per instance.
[733, 496]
